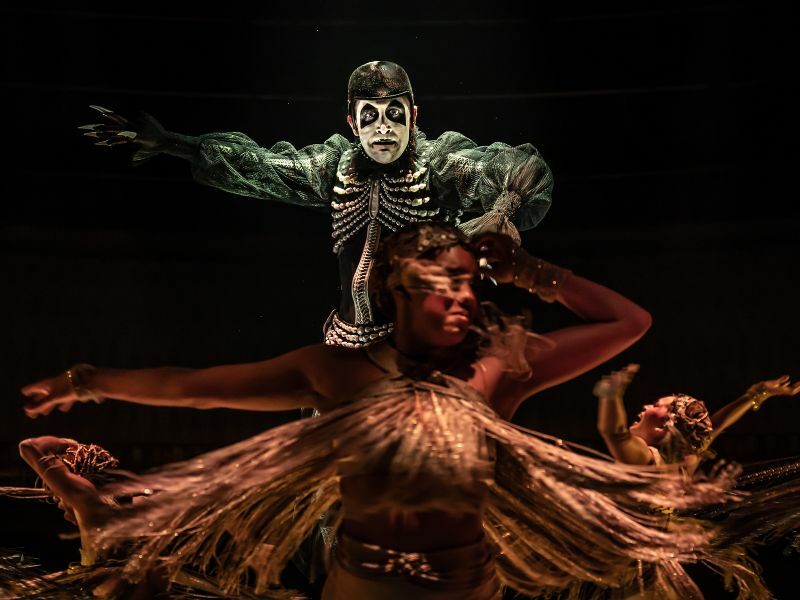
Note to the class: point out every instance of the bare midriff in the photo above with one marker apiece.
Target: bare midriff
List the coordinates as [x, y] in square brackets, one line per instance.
[435, 523]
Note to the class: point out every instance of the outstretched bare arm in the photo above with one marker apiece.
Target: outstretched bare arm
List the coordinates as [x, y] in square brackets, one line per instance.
[281, 383]
[612, 421]
[751, 400]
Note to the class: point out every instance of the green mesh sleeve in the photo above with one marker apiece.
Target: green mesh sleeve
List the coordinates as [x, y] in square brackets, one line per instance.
[235, 163]
[512, 182]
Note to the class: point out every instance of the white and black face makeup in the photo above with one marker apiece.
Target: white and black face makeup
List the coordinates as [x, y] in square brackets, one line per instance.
[384, 127]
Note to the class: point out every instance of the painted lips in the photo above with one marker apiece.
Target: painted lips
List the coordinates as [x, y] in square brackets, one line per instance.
[458, 319]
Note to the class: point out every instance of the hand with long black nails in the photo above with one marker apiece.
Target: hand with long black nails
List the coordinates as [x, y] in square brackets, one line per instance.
[146, 132]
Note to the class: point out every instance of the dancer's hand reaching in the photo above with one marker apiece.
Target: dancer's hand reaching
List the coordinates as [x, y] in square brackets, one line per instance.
[615, 384]
[43, 396]
[781, 386]
[115, 129]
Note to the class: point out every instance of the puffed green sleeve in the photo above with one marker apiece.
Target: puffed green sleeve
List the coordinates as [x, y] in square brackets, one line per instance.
[235, 163]
[511, 185]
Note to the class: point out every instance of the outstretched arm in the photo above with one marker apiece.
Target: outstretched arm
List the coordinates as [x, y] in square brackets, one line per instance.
[613, 322]
[751, 400]
[281, 383]
[232, 161]
[612, 422]
[144, 133]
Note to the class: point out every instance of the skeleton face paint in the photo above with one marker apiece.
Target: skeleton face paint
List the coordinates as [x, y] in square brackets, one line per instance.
[383, 126]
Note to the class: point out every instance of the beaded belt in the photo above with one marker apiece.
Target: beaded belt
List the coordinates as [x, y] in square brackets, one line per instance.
[349, 335]
[462, 567]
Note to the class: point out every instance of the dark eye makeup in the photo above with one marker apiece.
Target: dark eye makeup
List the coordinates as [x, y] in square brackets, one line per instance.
[396, 112]
[368, 114]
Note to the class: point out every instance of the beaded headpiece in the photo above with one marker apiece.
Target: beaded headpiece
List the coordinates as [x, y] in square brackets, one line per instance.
[418, 240]
[689, 426]
[88, 459]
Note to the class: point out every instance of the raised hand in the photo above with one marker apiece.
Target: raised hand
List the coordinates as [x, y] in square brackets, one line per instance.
[497, 256]
[115, 129]
[615, 384]
[781, 386]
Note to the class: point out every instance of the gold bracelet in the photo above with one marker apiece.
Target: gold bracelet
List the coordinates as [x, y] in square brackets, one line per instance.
[77, 380]
[758, 398]
[538, 276]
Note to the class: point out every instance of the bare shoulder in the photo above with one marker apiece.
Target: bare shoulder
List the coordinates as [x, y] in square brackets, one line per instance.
[307, 360]
[337, 374]
[321, 358]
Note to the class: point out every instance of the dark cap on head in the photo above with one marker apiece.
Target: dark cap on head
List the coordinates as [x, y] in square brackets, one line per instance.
[378, 79]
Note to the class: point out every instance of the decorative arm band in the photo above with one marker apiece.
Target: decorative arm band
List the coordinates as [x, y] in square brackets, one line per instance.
[538, 276]
[77, 377]
[757, 396]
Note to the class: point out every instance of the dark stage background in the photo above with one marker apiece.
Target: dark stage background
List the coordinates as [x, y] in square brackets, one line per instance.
[671, 131]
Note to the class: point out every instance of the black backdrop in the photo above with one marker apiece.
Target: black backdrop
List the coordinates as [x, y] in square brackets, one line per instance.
[670, 129]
